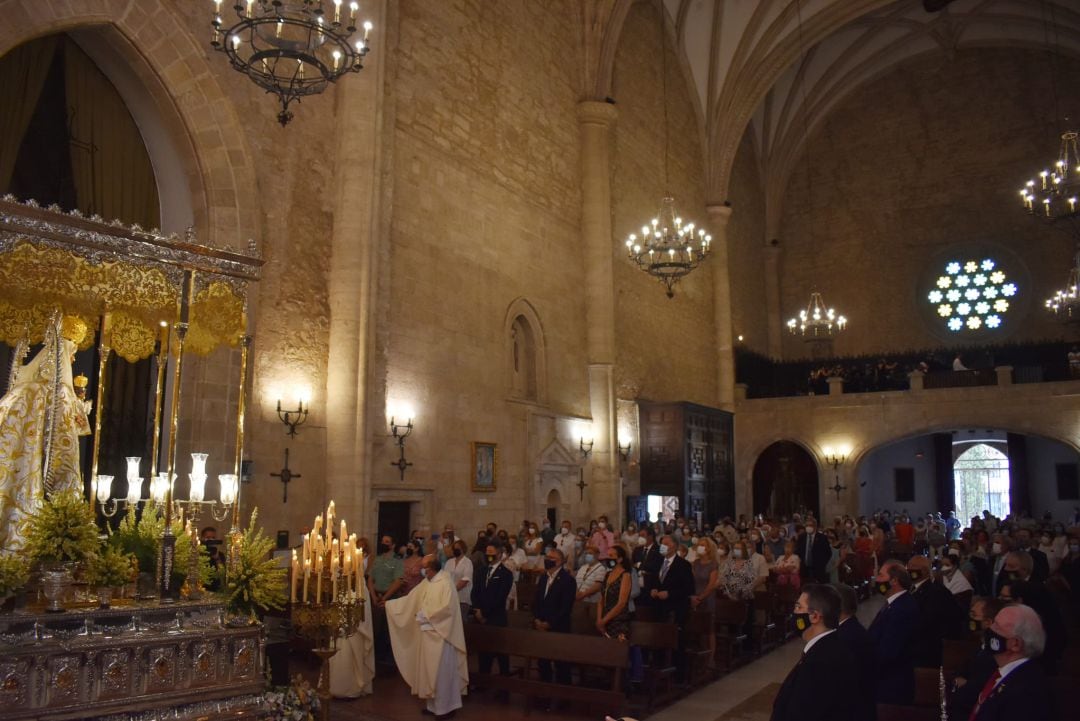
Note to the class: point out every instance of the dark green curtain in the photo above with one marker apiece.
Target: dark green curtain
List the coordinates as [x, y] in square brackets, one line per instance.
[944, 480]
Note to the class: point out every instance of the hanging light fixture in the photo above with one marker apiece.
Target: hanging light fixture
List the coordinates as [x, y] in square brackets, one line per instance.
[1065, 303]
[291, 48]
[818, 321]
[1055, 195]
[668, 248]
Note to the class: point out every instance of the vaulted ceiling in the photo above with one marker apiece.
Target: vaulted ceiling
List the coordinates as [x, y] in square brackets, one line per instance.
[780, 66]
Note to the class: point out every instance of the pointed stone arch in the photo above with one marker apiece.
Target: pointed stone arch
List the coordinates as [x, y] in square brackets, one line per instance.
[176, 86]
[525, 354]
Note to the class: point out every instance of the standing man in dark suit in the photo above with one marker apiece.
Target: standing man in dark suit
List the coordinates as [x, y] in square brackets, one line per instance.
[675, 584]
[817, 688]
[1040, 566]
[940, 616]
[858, 641]
[893, 632]
[491, 586]
[814, 552]
[647, 561]
[1018, 688]
[552, 606]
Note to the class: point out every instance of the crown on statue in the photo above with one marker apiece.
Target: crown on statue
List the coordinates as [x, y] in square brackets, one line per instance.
[73, 329]
[80, 381]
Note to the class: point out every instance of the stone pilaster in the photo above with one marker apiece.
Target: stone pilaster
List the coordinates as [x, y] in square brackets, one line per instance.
[595, 121]
[719, 215]
[352, 283]
[772, 300]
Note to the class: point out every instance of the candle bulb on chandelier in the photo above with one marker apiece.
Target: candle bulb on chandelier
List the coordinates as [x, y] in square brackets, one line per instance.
[337, 12]
[354, 10]
[295, 576]
[367, 30]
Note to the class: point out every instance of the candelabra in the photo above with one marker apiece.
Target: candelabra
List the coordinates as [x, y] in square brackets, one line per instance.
[332, 606]
[293, 418]
[400, 433]
[102, 490]
[836, 458]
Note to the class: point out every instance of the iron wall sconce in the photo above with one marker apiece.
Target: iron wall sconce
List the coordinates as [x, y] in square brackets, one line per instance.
[293, 418]
[586, 447]
[624, 450]
[836, 458]
[400, 432]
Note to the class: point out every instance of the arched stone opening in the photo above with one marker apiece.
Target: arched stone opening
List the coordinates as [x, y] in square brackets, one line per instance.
[785, 481]
[525, 354]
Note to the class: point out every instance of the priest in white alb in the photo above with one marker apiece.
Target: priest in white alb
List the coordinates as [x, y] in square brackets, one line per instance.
[428, 639]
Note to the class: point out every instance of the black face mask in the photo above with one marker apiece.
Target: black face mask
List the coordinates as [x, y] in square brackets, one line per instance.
[549, 564]
[408, 552]
[457, 553]
[973, 625]
[384, 548]
[883, 588]
[993, 642]
[609, 562]
[490, 560]
[915, 575]
[801, 621]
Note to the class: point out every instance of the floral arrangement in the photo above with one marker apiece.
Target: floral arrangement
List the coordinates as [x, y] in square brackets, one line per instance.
[63, 530]
[296, 702]
[14, 573]
[140, 536]
[111, 568]
[257, 583]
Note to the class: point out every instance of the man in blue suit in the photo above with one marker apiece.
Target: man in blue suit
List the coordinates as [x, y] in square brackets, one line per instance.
[858, 641]
[893, 632]
[552, 607]
[492, 583]
[1018, 688]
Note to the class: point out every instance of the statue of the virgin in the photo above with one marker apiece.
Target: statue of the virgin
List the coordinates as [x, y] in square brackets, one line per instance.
[41, 419]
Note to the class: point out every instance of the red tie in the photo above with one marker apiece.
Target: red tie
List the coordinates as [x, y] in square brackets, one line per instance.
[985, 693]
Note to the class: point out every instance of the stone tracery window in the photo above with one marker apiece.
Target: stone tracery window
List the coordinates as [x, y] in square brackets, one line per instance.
[972, 294]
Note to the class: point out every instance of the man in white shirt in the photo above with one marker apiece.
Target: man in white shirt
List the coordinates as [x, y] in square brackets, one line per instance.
[590, 576]
[564, 541]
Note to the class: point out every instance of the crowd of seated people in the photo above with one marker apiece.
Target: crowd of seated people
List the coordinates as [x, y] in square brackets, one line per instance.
[943, 582]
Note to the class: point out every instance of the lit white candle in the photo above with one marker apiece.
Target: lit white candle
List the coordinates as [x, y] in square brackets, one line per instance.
[307, 575]
[295, 577]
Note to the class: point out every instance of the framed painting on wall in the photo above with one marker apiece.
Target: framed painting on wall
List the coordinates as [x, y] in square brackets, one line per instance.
[483, 466]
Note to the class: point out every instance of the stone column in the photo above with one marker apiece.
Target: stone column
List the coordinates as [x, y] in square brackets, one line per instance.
[352, 280]
[772, 299]
[719, 215]
[595, 121]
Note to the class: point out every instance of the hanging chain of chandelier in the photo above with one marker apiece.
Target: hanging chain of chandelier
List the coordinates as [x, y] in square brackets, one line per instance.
[1054, 197]
[668, 249]
[817, 321]
[292, 49]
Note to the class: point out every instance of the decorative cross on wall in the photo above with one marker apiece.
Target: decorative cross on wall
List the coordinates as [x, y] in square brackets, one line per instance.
[286, 476]
[581, 484]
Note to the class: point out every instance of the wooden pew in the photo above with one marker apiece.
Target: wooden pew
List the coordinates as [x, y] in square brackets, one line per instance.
[730, 618]
[888, 712]
[696, 632]
[955, 655]
[927, 687]
[569, 648]
[659, 641]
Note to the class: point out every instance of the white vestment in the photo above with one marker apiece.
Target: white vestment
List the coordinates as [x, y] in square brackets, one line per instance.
[353, 666]
[428, 638]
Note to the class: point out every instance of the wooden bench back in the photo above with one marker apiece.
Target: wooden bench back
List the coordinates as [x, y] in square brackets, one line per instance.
[649, 634]
[568, 647]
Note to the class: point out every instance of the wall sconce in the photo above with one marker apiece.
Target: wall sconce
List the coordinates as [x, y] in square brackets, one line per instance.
[296, 417]
[836, 458]
[101, 487]
[401, 431]
[625, 444]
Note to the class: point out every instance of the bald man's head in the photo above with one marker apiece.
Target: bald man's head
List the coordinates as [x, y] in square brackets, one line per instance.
[1019, 633]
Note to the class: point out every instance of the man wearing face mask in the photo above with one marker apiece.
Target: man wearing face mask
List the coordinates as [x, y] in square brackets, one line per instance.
[1040, 569]
[971, 677]
[590, 576]
[818, 686]
[386, 579]
[1021, 587]
[648, 566]
[491, 587]
[602, 537]
[814, 552]
[940, 617]
[858, 641]
[893, 630]
[1017, 689]
[674, 584]
[551, 608]
[565, 543]
[429, 641]
[999, 549]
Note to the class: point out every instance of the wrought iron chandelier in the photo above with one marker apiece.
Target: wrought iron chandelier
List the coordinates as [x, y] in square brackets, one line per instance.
[292, 48]
[1055, 195]
[817, 320]
[1065, 303]
[668, 248]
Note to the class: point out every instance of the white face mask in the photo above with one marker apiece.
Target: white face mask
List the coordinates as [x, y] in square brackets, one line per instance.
[701, 550]
[663, 550]
[737, 553]
[641, 540]
[565, 531]
[602, 525]
[996, 548]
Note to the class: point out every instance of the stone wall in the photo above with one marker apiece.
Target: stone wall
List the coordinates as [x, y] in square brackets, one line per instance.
[486, 207]
[925, 158]
[665, 348]
[747, 251]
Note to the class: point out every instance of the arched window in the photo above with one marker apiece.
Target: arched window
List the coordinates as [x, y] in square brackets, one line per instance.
[525, 352]
[982, 482]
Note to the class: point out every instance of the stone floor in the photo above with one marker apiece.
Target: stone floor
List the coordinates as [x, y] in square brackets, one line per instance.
[744, 695]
